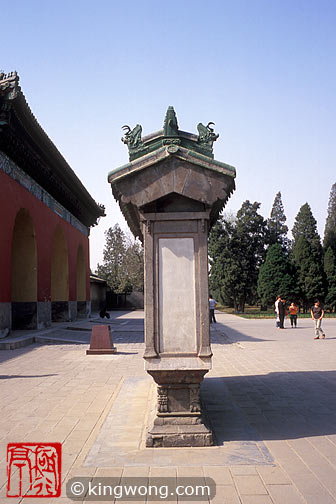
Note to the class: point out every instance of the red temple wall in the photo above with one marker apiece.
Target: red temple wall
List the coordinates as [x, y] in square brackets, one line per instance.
[13, 197]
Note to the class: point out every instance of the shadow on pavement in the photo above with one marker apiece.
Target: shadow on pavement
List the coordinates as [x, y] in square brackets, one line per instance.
[6, 355]
[8, 377]
[224, 335]
[126, 353]
[273, 406]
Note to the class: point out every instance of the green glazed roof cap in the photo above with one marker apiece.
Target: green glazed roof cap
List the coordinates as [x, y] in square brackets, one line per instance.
[139, 145]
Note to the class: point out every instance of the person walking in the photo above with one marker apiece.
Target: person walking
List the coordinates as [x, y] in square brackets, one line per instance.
[282, 312]
[317, 314]
[212, 306]
[293, 309]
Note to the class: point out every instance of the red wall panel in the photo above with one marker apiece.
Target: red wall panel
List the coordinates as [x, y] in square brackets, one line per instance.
[13, 196]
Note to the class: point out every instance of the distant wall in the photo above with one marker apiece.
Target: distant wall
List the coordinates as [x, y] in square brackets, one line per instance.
[135, 300]
[98, 295]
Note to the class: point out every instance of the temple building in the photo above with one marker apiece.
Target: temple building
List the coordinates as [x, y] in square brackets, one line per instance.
[45, 219]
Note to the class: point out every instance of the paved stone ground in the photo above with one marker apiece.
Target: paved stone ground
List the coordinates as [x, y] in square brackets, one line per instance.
[271, 399]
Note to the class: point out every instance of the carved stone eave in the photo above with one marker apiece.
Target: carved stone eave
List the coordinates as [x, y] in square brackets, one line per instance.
[165, 152]
[191, 171]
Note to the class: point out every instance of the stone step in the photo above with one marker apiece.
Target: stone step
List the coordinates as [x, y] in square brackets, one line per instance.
[51, 339]
[11, 343]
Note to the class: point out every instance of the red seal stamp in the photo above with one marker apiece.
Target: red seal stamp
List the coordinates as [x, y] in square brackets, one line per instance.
[34, 469]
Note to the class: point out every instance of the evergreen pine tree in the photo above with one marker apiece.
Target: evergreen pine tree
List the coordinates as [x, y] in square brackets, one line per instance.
[236, 251]
[227, 280]
[330, 271]
[277, 229]
[276, 276]
[309, 272]
[329, 263]
[307, 255]
[305, 225]
[330, 226]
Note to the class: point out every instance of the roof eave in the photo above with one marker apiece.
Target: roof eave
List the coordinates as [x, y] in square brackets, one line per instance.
[165, 152]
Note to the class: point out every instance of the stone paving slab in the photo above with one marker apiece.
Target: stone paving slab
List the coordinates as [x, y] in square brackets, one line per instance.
[122, 438]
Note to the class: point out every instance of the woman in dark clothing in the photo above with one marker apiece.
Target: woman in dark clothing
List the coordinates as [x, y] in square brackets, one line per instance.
[282, 312]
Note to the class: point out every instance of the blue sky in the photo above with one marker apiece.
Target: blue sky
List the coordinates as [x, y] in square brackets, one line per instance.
[263, 70]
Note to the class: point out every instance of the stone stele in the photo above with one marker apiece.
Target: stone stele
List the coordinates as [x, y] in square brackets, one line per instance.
[171, 192]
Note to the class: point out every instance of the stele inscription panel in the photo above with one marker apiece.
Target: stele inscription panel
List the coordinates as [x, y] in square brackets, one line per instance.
[177, 323]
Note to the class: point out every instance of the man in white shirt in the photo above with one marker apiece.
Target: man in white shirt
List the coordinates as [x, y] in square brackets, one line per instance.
[276, 309]
[212, 306]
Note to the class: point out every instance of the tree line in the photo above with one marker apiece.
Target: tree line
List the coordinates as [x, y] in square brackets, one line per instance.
[122, 265]
[252, 260]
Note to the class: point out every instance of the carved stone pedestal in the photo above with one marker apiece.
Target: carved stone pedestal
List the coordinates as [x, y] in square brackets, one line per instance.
[178, 419]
